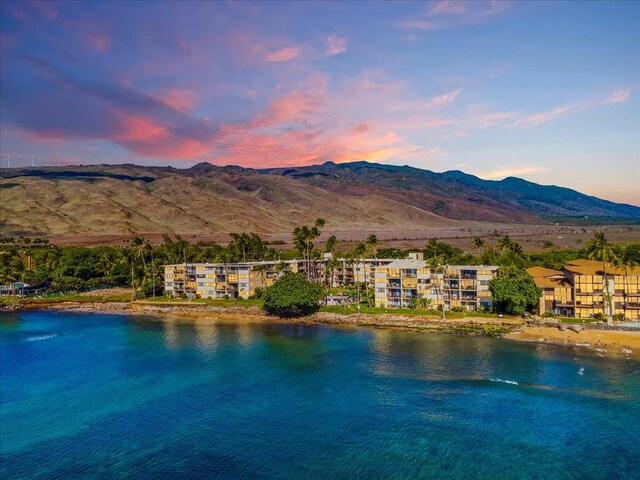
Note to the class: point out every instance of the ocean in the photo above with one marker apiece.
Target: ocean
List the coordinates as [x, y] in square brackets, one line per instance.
[115, 396]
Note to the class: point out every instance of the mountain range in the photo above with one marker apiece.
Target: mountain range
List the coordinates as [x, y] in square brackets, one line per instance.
[124, 199]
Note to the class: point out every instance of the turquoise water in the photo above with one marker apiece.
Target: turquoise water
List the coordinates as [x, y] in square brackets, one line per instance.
[109, 396]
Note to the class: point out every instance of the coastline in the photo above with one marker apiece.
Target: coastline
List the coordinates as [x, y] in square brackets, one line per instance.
[596, 340]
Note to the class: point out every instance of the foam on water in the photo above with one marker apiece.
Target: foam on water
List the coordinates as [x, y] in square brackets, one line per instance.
[510, 382]
[41, 337]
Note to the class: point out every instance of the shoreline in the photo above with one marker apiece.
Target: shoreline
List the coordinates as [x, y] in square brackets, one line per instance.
[617, 342]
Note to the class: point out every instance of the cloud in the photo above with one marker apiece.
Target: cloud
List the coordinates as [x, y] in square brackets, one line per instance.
[418, 25]
[283, 54]
[421, 106]
[178, 98]
[506, 171]
[449, 14]
[335, 44]
[449, 7]
[66, 106]
[292, 107]
[543, 117]
[620, 95]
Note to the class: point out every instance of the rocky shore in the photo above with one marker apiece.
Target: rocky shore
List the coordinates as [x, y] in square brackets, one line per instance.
[601, 340]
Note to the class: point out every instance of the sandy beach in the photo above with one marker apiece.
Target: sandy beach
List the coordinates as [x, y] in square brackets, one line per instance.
[601, 341]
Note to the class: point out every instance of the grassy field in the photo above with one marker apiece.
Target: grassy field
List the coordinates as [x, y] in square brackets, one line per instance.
[207, 301]
[349, 309]
[72, 298]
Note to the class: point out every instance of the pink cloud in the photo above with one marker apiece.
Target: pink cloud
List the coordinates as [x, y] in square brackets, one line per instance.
[335, 44]
[418, 24]
[543, 117]
[291, 107]
[512, 171]
[450, 13]
[179, 99]
[449, 7]
[99, 42]
[283, 54]
[620, 95]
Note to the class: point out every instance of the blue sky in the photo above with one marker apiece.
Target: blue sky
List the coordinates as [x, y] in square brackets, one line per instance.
[546, 91]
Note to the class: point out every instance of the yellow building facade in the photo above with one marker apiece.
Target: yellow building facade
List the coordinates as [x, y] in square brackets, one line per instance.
[584, 288]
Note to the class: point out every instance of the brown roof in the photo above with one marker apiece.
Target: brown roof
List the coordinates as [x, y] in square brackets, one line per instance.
[543, 272]
[583, 266]
[543, 282]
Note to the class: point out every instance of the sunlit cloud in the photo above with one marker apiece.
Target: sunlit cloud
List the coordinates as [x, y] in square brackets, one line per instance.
[335, 44]
[543, 117]
[449, 14]
[504, 172]
[283, 54]
[418, 25]
[620, 95]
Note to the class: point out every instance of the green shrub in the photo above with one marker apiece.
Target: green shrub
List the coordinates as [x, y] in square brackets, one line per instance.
[619, 317]
[183, 295]
[292, 295]
[514, 290]
[599, 316]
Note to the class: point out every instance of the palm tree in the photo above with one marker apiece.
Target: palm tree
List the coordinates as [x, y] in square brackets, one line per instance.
[625, 261]
[477, 243]
[598, 248]
[303, 238]
[432, 247]
[435, 264]
[261, 270]
[504, 243]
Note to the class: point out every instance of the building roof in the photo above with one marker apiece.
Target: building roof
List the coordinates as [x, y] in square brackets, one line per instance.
[545, 282]
[594, 267]
[406, 263]
[536, 272]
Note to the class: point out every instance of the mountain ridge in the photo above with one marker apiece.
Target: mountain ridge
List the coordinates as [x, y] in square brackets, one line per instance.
[118, 199]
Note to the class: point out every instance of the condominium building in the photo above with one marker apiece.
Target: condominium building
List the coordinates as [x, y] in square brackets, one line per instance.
[361, 270]
[397, 283]
[584, 288]
[401, 283]
[220, 280]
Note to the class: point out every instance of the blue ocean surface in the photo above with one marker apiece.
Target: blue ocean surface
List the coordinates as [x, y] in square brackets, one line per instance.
[114, 396]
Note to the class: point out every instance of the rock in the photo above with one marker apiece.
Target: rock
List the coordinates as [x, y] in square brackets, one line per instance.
[562, 327]
[576, 328]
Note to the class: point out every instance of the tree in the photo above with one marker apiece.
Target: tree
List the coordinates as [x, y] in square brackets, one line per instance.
[514, 290]
[303, 238]
[330, 244]
[477, 243]
[504, 242]
[292, 296]
[436, 263]
[599, 248]
[625, 261]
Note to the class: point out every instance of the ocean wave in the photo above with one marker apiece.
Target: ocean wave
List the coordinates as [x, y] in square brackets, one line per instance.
[41, 337]
[510, 382]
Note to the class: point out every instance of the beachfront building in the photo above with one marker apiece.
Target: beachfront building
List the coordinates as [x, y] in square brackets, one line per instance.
[350, 271]
[225, 280]
[403, 283]
[584, 288]
[557, 291]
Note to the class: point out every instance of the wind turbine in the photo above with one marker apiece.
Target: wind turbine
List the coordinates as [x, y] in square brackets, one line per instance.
[33, 162]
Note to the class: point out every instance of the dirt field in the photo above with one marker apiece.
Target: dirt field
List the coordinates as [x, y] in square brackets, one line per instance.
[531, 237]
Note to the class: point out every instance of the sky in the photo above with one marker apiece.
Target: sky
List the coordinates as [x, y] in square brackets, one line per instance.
[546, 91]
